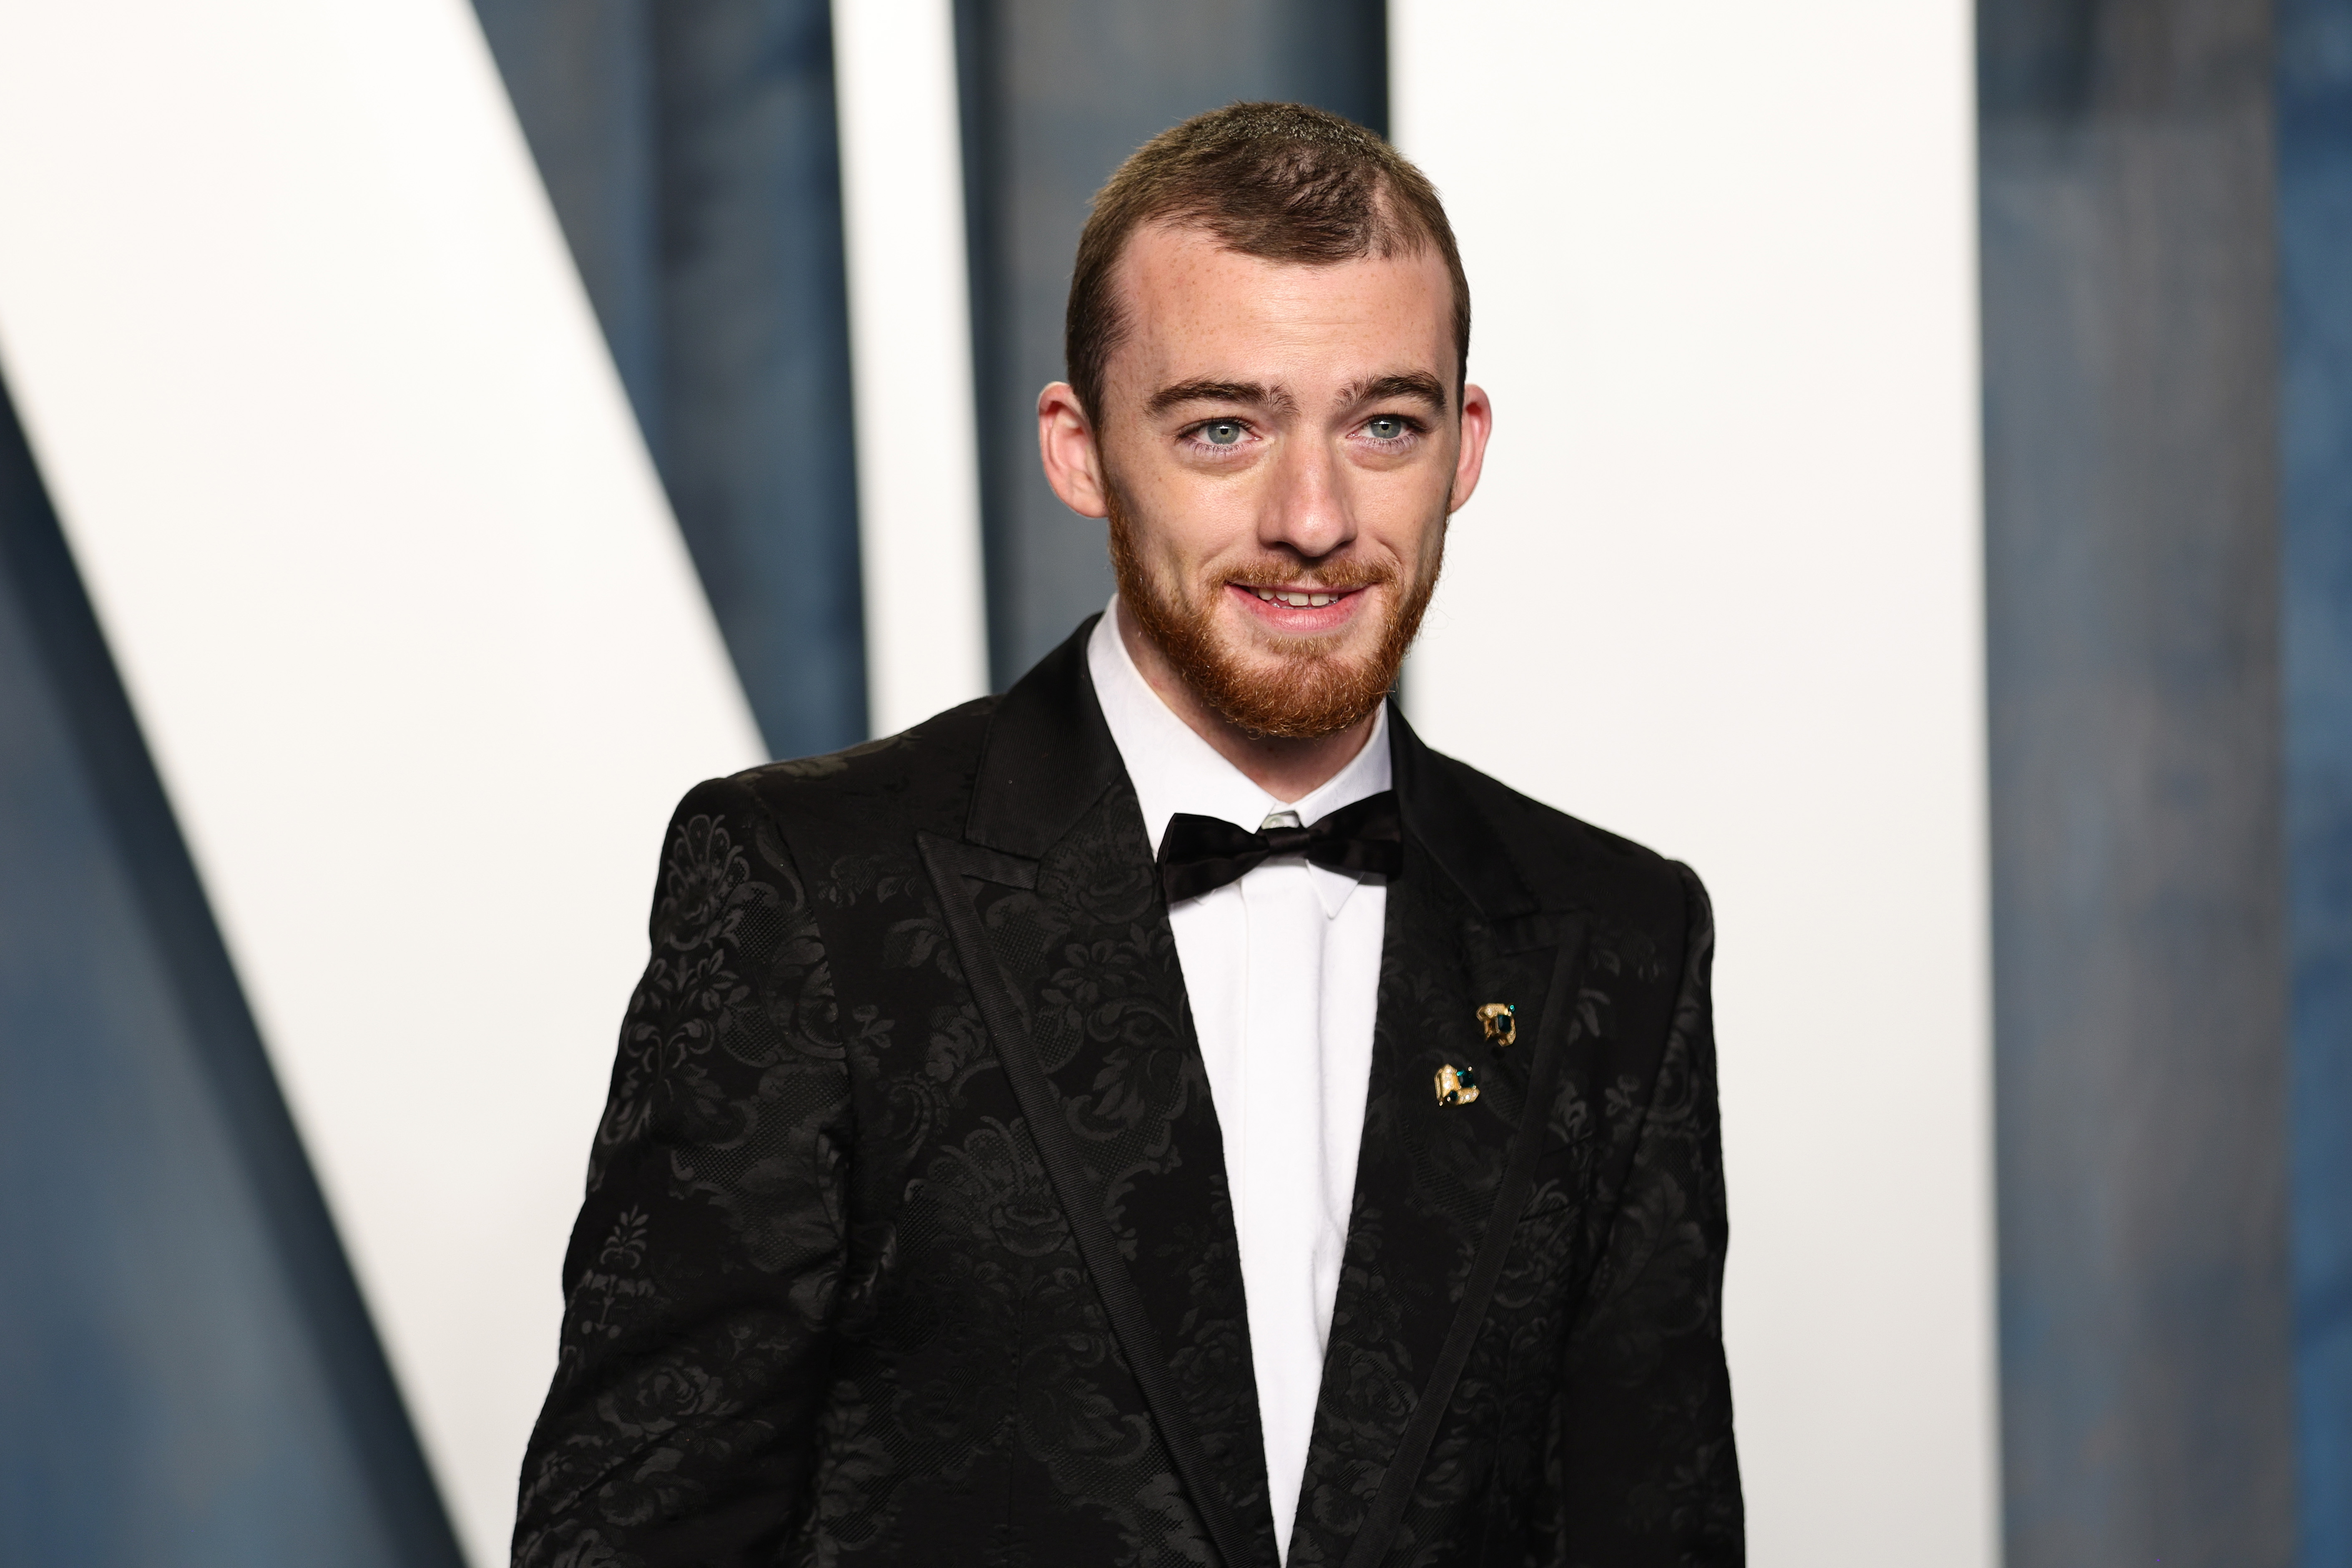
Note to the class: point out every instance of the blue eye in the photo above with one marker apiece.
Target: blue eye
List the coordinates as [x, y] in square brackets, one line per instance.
[1222, 432]
[1384, 426]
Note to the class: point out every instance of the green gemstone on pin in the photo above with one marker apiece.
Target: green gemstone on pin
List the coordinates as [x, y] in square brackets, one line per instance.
[1456, 1085]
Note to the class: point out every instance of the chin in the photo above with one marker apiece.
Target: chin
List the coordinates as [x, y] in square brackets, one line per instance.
[1275, 647]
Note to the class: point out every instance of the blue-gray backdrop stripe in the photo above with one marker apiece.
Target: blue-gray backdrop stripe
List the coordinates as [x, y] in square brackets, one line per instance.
[188, 1372]
[690, 151]
[2139, 871]
[2314, 199]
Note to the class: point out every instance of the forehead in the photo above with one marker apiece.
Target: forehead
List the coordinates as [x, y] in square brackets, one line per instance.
[1193, 308]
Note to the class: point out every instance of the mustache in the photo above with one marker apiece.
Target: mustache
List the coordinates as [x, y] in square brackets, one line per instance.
[1336, 576]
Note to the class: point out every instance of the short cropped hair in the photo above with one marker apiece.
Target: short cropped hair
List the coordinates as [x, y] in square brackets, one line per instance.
[1278, 181]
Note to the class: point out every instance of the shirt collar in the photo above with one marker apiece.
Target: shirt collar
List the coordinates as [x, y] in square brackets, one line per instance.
[1173, 769]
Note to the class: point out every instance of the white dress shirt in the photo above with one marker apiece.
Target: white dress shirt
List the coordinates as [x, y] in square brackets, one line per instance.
[1282, 968]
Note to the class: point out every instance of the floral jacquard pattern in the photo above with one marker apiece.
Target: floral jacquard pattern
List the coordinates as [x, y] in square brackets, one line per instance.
[704, 1265]
[907, 1237]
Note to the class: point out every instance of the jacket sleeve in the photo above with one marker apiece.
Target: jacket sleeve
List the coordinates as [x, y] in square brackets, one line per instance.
[1651, 1475]
[699, 1283]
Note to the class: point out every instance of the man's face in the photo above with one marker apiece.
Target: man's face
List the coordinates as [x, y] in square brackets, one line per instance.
[1279, 450]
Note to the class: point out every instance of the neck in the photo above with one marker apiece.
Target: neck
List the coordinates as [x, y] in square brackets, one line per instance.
[1286, 769]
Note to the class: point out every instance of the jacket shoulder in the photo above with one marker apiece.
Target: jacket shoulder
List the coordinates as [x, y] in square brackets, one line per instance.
[918, 778]
[1567, 863]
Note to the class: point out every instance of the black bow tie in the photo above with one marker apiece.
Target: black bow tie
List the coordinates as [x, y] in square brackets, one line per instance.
[1200, 854]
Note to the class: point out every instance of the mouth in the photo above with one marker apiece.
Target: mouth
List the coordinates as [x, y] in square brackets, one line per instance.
[1305, 608]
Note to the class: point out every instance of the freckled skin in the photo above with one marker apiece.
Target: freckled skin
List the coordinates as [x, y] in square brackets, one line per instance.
[1285, 462]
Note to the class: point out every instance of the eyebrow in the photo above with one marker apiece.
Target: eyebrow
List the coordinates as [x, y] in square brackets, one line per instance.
[1248, 392]
[1417, 384]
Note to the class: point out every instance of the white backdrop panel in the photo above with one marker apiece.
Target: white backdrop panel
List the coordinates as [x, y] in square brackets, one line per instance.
[910, 340]
[1721, 593]
[398, 599]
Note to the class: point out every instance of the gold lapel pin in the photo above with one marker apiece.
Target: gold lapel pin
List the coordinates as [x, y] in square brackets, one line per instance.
[1500, 1021]
[1456, 1086]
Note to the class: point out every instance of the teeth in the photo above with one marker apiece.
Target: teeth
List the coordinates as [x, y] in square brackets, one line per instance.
[1295, 600]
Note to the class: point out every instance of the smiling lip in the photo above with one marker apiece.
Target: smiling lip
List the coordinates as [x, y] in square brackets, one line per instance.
[1305, 608]
[1299, 598]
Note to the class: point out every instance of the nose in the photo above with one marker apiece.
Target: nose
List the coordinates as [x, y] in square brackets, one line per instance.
[1307, 508]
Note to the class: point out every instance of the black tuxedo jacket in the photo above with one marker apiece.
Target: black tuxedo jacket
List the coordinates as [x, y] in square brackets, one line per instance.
[907, 1237]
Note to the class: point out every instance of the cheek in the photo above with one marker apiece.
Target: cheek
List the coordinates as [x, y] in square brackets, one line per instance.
[1404, 513]
[1188, 527]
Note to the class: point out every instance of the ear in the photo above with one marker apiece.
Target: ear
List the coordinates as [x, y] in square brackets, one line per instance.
[1477, 424]
[1073, 457]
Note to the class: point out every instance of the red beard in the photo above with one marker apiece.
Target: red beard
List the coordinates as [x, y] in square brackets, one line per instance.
[1315, 690]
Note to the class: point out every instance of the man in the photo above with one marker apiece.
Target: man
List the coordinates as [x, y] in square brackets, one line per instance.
[1168, 1114]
